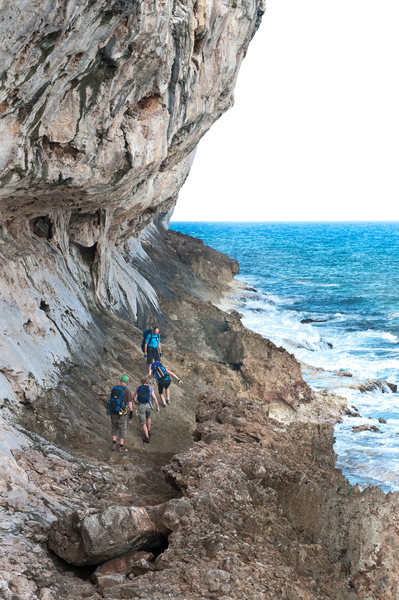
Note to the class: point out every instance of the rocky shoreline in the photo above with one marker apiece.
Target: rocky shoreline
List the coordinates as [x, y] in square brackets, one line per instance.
[237, 495]
[102, 105]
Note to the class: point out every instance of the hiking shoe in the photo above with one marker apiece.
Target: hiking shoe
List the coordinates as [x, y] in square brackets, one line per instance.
[146, 440]
[164, 404]
[113, 447]
[167, 400]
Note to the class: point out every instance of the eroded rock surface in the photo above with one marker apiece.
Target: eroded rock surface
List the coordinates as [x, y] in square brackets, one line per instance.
[101, 107]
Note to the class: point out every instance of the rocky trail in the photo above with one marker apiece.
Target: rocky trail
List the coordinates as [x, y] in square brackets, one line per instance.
[236, 496]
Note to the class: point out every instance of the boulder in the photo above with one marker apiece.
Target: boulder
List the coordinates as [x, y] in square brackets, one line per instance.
[95, 538]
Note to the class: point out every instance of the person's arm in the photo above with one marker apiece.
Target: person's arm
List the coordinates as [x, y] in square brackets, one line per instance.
[153, 396]
[134, 397]
[174, 375]
[160, 345]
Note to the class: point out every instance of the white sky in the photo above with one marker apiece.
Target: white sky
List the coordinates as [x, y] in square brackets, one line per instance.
[314, 133]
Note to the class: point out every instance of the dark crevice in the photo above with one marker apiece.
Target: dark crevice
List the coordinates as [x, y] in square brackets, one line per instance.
[87, 254]
[42, 227]
[235, 366]
[158, 546]
[44, 306]
[85, 573]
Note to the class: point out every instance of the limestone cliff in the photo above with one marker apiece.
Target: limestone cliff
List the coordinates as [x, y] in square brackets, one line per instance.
[101, 107]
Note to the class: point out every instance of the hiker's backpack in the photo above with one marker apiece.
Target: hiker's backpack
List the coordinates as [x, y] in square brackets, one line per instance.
[145, 333]
[159, 371]
[117, 403]
[143, 394]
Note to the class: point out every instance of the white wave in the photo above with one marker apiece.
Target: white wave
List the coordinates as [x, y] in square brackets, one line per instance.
[356, 351]
[316, 285]
[390, 336]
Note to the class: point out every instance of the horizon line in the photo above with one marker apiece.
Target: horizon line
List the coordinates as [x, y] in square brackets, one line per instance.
[288, 221]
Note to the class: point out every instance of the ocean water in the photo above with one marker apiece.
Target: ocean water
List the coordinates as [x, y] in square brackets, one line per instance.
[329, 293]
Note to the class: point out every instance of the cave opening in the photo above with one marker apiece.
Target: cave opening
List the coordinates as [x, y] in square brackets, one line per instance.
[87, 254]
[42, 227]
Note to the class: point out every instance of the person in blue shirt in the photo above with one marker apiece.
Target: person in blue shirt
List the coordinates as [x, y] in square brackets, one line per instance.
[153, 347]
[162, 375]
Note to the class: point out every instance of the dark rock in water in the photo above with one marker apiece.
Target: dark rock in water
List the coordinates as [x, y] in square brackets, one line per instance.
[95, 538]
[366, 427]
[372, 385]
[250, 289]
[305, 321]
[381, 420]
[351, 413]
[355, 408]
[342, 373]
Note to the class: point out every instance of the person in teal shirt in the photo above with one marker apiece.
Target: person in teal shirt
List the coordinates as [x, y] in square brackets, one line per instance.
[153, 347]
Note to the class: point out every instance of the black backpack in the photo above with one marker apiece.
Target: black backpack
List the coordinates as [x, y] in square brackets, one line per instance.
[145, 333]
[143, 394]
[117, 403]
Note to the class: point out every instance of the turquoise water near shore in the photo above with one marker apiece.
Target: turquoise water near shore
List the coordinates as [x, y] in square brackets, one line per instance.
[327, 292]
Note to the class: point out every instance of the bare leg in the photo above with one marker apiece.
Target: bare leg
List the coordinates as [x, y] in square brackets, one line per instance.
[145, 431]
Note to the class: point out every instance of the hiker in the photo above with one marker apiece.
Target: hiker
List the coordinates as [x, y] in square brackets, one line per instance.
[142, 396]
[162, 375]
[152, 346]
[117, 407]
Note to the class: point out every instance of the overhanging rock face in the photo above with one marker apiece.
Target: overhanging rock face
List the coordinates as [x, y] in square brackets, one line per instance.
[102, 104]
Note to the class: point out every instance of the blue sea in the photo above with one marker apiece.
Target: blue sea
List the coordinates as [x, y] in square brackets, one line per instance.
[328, 293]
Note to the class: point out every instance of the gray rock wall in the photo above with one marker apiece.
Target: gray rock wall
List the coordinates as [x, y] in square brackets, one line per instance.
[101, 107]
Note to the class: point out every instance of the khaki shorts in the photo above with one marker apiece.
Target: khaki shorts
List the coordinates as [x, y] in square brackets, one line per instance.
[145, 411]
[118, 425]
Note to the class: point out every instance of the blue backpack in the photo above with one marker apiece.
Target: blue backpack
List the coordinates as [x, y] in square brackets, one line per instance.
[145, 333]
[143, 394]
[159, 371]
[117, 403]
